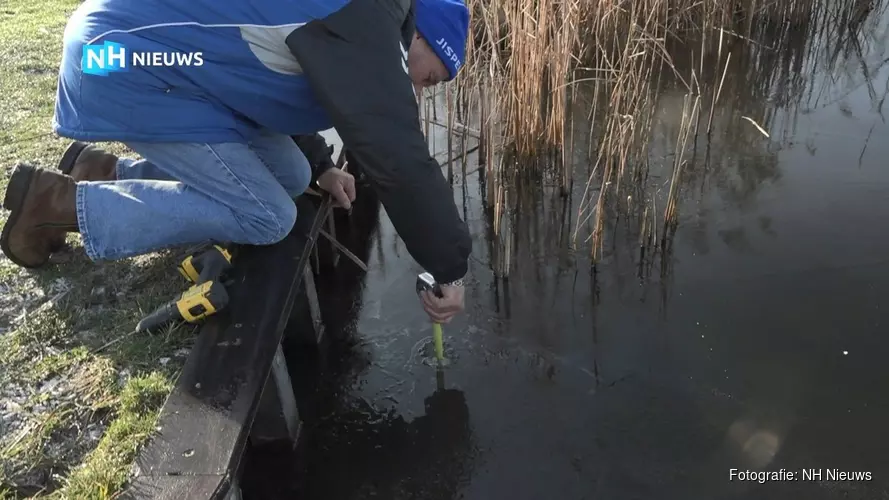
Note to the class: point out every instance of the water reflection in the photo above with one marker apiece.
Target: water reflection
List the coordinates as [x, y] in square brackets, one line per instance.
[755, 446]
[772, 78]
[353, 447]
[750, 338]
[365, 453]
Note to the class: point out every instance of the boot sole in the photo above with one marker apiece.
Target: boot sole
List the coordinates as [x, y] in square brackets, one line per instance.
[16, 192]
[66, 164]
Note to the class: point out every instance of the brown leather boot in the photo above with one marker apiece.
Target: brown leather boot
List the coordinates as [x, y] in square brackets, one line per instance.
[44, 207]
[85, 162]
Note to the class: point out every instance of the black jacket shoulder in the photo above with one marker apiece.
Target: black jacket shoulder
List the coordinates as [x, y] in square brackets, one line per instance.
[356, 63]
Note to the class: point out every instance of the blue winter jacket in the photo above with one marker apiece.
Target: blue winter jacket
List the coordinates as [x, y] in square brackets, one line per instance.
[248, 79]
[292, 66]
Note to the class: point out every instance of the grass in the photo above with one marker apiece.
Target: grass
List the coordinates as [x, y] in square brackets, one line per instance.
[76, 414]
[106, 469]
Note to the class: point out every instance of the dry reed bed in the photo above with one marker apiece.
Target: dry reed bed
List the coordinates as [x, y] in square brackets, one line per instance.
[533, 65]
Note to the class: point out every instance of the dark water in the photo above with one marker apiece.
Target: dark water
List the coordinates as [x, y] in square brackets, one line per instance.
[757, 343]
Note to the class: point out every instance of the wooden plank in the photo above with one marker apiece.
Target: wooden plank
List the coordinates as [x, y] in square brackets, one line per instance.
[234, 493]
[328, 246]
[277, 418]
[206, 421]
[175, 487]
[314, 307]
[305, 329]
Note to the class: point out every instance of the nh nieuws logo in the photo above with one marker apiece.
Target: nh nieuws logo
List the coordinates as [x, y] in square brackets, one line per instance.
[111, 57]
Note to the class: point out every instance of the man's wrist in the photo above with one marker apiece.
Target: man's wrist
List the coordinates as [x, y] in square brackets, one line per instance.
[457, 282]
[452, 274]
[320, 170]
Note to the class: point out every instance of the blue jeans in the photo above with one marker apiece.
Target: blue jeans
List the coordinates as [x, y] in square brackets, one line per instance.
[185, 194]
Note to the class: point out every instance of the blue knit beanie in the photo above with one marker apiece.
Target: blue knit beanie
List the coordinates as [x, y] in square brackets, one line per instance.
[445, 25]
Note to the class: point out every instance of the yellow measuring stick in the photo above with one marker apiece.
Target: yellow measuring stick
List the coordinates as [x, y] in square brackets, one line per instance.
[439, 341]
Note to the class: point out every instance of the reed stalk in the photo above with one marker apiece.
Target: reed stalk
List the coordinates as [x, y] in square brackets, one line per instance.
[576, 78]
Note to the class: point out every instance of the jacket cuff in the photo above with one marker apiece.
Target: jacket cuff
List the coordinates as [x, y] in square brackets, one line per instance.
[451, 275]
[317, 152]
[322, 165]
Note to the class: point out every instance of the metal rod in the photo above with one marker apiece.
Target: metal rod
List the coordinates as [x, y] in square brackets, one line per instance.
[339, 246]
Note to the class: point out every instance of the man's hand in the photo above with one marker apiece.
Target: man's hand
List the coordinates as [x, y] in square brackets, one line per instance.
[340, 185]
[442, 310]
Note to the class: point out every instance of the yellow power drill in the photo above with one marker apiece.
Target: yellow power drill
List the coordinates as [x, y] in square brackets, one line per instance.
[204, 298]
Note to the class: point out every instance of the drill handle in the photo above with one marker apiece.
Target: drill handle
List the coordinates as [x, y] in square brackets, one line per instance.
[212, 264]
